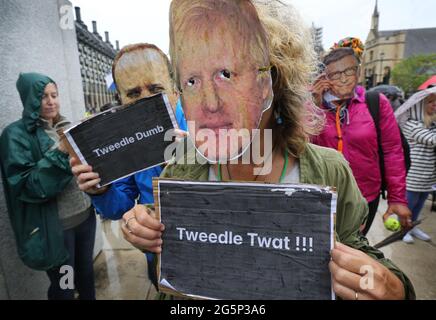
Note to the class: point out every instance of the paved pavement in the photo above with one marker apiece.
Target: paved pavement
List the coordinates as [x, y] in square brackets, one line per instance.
[417, 260]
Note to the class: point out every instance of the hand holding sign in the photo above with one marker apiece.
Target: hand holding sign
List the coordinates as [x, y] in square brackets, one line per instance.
[356, 276]
[86, 178]
[63, 144]
[142, 229]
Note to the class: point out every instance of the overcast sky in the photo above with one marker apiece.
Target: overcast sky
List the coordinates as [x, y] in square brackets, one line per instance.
[131, 21]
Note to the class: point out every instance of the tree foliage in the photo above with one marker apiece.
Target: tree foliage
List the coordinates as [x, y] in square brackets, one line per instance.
[410, 73]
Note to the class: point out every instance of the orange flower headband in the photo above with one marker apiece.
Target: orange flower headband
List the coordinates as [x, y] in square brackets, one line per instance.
[353, 43]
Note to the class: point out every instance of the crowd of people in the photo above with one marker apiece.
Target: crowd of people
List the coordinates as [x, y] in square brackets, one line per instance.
[233, 65]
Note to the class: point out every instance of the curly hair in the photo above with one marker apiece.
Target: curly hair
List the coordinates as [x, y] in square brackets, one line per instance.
[294, 65]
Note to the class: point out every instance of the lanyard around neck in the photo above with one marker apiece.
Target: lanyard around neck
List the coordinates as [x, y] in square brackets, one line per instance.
[338, 127]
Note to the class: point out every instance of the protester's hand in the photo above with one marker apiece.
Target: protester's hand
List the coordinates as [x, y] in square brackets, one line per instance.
[357, 276]
[86, 178]
[62, 147]
[403, 212]
[142, 229]
[320, 86]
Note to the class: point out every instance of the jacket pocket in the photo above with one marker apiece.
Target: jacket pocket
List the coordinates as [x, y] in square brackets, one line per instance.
[33, 254]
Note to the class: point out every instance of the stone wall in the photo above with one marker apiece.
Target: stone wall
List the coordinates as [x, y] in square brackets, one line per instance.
[36, 36]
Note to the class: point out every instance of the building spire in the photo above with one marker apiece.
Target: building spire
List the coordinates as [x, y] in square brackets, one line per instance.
[375, 19]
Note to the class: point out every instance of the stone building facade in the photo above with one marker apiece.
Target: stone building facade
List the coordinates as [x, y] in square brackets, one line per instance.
[96, 56]
[385, 49]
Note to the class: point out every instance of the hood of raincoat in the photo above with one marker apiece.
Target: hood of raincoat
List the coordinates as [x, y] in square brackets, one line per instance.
[413, 108]
[31, 88]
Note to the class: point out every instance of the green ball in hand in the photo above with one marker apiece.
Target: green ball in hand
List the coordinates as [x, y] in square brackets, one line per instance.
[392, 224]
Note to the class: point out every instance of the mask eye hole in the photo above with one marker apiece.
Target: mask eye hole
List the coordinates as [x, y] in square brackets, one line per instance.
[225, 74]
[191, 82]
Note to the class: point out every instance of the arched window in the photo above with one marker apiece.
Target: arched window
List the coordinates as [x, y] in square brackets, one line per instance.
[387, 75]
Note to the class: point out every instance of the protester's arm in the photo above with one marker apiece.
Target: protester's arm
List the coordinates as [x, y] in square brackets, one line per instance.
[33, 181]
[144, 230]
[352, 210]
[395, 166]
[422, 135]
[121, 195]
[119, 198]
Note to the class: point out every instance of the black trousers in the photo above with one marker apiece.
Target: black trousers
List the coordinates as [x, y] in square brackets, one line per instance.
[373, 206]
[79, 242]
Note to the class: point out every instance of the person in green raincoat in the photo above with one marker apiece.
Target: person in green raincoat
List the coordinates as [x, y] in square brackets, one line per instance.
[53, 221]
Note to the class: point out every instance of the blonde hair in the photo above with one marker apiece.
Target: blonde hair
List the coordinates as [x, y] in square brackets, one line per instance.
[198, 15]
[294, 64]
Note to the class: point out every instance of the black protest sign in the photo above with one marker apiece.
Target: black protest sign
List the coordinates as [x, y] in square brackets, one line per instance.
[227, 240]
[123, 141]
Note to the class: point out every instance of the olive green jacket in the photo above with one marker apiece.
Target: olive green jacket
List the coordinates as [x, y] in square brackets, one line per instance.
[324, 167]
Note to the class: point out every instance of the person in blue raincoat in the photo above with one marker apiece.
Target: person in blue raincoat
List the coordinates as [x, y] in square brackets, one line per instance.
[139, 71]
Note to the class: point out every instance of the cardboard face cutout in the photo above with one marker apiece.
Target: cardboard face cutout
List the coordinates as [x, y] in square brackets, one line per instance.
[344, 86]
[141, 73]
[224, 77]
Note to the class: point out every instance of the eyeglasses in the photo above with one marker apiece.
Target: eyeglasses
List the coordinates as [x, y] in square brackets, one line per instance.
[349, 72]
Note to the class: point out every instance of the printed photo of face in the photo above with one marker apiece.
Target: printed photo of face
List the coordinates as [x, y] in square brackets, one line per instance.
[343, 74]
[141, 73]
[224, 87]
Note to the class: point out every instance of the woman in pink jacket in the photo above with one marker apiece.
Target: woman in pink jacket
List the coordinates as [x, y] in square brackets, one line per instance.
[351, 130]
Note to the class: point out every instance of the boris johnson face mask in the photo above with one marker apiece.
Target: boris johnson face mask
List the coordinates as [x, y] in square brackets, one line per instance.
[225, 82]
